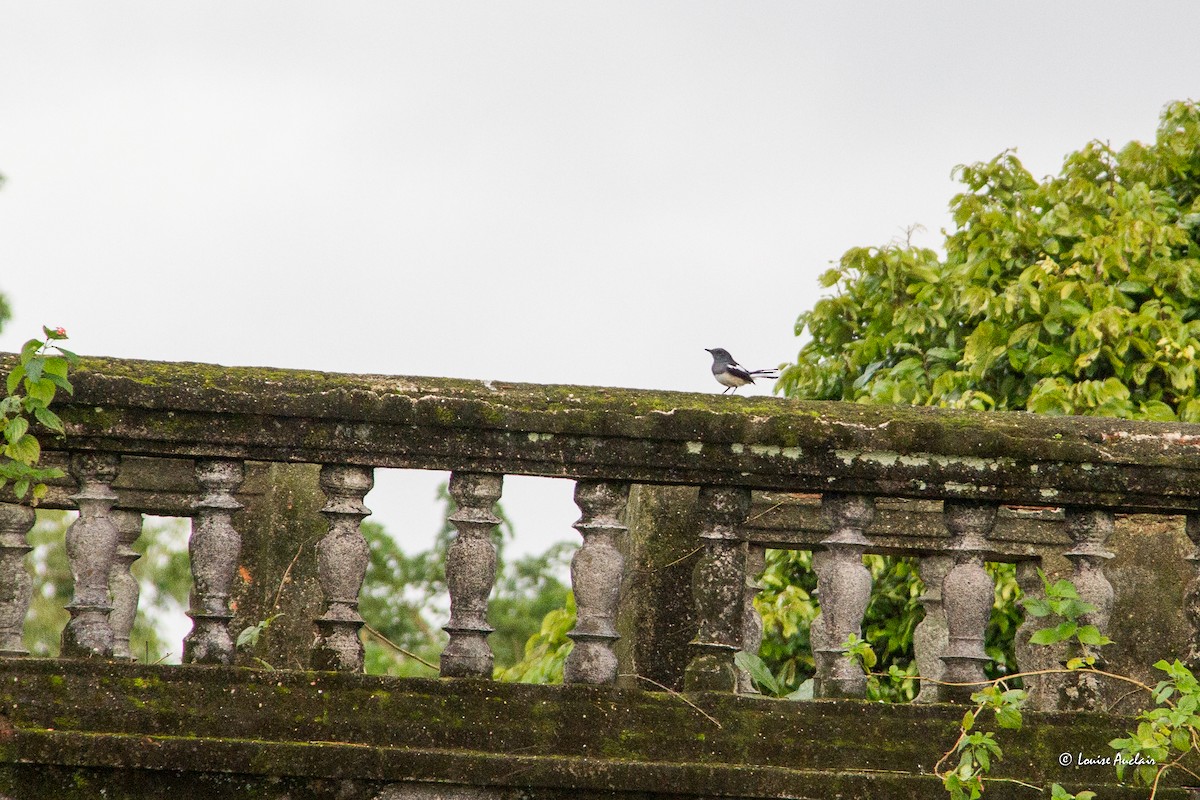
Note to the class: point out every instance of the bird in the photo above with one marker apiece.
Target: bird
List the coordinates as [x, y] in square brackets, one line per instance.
[731, 374]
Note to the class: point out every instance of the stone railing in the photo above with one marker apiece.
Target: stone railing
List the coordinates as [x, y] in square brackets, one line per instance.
[951, 489]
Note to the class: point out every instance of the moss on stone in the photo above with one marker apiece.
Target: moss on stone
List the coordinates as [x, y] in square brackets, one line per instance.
[205, 722]
[184, 409]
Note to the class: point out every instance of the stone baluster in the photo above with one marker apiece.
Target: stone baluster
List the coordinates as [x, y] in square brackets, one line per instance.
[121, 583]
[752, 624]
[843, 591]
[718, 586]
[1191, 594]
[596, 572]
[16, 586]
[1089, 530]
[931, 637]
[91, 549]
[342, 558]
[967, 596]
[214, 549]
[470, 574]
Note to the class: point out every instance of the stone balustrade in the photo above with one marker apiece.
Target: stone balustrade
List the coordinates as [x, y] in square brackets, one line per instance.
[951, 489]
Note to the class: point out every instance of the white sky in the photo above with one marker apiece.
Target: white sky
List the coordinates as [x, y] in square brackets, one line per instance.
[553, 192]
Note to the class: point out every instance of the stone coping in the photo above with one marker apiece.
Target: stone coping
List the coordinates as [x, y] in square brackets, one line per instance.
[170, 409]
[195, 721]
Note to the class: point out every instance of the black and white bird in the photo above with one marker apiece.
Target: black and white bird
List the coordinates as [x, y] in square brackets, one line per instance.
[731, 374]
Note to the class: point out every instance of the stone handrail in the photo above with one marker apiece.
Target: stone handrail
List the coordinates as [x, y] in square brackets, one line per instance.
[134, 407]
[951, 489]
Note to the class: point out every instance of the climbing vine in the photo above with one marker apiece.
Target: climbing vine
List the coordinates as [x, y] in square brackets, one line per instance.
[1167, 734]
[41, 370]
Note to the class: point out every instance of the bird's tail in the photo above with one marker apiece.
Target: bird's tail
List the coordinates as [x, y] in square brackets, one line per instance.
[766, 373]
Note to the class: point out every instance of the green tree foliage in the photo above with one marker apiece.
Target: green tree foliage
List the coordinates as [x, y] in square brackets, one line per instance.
[787, 604]
[51, 574]
[526, 600]
[1077, 294]
[404, 597]
[396, 593]
[546, 651]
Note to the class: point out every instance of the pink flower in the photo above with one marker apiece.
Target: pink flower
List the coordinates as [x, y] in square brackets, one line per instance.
[61, 331]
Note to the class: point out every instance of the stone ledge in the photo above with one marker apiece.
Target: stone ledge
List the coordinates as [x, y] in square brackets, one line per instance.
[167, 409]
[383, 765]
[328, 726]
[119, 766]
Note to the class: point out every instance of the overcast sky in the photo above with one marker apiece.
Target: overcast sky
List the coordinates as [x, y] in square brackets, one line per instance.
[551, 192]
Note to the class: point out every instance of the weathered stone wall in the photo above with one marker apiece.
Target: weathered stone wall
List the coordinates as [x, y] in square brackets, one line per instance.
[210, 733]
[277, 572]
[922, 482]
[658, 616]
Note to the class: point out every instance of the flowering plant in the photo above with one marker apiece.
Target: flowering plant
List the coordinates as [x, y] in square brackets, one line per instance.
[40, 372]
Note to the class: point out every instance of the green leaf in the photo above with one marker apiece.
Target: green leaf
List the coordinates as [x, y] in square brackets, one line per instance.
[55, 365]
[26, 450]
[1073, 609]
[1157, 411]
[249, 636]
[15, 429]
[1009, 717]
[14, 379]
[34, 368]
[20, 488]
[1054, 635]
[804, 692]
[943, 354]
[61, 383]
[759, 672]
[41, 391]
[988, 742]
[29, 349]
[49, 419]
[1063, 589]
[72, 358]
[1036, 606]
[1088, 634]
